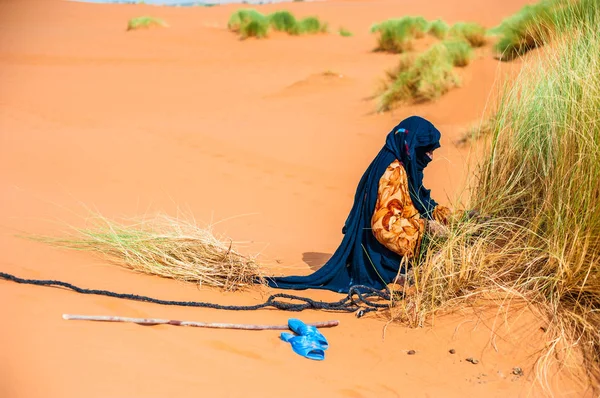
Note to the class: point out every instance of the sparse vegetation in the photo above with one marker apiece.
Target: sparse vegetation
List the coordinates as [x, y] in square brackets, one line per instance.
[422, 78]
[331, 73]
[144, 22]
[251, 23]
[472, 32]
[438, 29]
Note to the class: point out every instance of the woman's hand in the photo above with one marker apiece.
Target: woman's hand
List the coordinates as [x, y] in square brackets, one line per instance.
[437, 229]
[475, 215]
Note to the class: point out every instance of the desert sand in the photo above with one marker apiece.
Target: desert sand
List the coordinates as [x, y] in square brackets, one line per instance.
[267, 140]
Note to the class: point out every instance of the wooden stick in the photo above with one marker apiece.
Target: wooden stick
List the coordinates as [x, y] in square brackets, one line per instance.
[154, 321]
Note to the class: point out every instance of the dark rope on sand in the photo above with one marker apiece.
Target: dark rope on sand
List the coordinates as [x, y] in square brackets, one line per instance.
[357, 300]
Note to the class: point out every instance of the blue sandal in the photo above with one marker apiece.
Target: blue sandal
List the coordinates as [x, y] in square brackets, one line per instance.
[302, 329]
[305, 346]
[308, 342]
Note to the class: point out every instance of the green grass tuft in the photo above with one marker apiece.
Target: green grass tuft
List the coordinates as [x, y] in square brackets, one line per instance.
[422, 78]
[144, 22]
[345, 32]
[439, 29]
[396, 35]
[459, 51]
[472, 32]
[312, 25]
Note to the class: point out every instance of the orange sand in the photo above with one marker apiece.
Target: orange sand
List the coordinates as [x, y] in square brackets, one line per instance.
[189, 117]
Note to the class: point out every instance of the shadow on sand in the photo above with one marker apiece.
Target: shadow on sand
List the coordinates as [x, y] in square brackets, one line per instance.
[315, 260]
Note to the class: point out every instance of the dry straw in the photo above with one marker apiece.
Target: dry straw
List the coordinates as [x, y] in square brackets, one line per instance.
[168, 247]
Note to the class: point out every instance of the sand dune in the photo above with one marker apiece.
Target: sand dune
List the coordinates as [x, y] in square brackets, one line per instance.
[269, 137]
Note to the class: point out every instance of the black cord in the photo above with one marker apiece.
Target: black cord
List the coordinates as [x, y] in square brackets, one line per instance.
[347, 304]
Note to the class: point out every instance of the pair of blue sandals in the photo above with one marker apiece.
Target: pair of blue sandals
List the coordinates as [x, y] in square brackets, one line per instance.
[307, 342]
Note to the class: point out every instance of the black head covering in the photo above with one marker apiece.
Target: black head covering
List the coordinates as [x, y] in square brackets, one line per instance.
[409, 142]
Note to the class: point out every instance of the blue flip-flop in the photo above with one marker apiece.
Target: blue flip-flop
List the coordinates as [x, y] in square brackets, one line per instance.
[305, 346]
[302, 329]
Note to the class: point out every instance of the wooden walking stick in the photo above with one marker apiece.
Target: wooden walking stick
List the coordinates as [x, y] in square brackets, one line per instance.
[155, 321]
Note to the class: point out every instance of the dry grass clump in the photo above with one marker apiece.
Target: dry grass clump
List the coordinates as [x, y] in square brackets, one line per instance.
[539, 187]
[167, 247]
[481, 130]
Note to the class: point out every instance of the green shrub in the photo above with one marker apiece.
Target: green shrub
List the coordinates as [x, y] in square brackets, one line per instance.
[249, 23]
[439, 29]
[284, 21]
[241, 17]
[472, 32]
[144, 22]
[459, 51]
[258, 28]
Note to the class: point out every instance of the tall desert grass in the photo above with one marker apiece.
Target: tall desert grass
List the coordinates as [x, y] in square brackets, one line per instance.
[539, 188]
[536, 24]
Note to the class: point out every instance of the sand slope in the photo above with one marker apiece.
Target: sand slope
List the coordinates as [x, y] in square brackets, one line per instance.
[254, 133]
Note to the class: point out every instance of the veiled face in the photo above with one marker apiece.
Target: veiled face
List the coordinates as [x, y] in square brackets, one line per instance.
[424, 155]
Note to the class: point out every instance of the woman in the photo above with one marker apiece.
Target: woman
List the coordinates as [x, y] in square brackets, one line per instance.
[391, 212]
